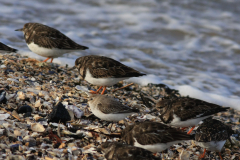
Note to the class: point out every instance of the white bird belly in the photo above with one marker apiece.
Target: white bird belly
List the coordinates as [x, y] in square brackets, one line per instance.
[47, 52]
[102, 81]
[187, 123]
[215, 146]
[158, 147]
[110, 117]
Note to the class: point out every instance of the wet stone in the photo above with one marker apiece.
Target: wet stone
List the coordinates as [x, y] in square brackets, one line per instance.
[24, 109]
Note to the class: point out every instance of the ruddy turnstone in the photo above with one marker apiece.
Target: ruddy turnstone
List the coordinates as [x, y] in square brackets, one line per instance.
[5, 48]
[108, 109]
[103, 71]
[48, 42]
[186, 111]
[153, 136]
[212, 135]
[119, 151]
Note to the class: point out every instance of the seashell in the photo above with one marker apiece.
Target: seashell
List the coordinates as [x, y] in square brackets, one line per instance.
[21, 95]
[38, 103]
[78, 113]
[34, 134]
[4, 116]
[13, 80]
[37, 127]
[184, 155]
[82, 88]
[17, 132]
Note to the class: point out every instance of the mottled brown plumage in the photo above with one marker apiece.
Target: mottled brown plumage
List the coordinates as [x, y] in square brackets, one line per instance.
[212, 135]
[48, 37]
[153, 133]
[5, 48]
[213, 130]
[186, 108]
[103, 71]
[119, 151]
[104, 67]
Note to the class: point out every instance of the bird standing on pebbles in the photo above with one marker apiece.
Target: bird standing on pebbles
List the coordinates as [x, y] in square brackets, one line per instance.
[212, 135]
[108, 109]
[186, 111]
[119, 151]
[48, 42]
[153, 136]
[5, 48]
[103, 71]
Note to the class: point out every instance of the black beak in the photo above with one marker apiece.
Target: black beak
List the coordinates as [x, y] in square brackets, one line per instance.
[19, 29]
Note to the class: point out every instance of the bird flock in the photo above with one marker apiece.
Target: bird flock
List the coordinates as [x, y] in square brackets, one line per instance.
[141, 139]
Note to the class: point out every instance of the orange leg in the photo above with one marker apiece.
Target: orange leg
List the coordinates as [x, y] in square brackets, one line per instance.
[51, 60]
[96, 92]
[220, 156]
[104, 88]
[191, 130]
[46, 59]
[184, 128]
[203, 155]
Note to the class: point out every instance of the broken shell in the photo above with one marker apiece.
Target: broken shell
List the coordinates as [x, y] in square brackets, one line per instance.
[37, 127]
[4, 116]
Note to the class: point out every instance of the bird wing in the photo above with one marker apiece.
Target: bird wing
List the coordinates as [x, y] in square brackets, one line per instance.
[102, 67]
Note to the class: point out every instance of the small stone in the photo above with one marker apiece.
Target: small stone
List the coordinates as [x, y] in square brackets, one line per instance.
[59, 114]
[24, 109]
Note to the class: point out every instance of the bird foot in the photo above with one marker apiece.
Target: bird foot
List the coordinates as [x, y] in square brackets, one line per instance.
[93, 92]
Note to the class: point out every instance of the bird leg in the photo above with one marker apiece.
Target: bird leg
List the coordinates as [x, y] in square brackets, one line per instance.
[202, 155]
[96, 92]
[51, 60]
[184, 128]
[122, 87]
[46, 59]
[104, 88]
[220, 156]
[191, 130]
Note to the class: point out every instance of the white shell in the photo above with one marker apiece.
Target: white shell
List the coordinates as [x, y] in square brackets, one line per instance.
[37, 127]
[4, 116]
[78, 113]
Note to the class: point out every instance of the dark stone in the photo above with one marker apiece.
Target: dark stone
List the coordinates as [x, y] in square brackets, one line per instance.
[14, 147]
[3, 96]
[28, 114]
[59, 114]
[51, 72]
[24, 109]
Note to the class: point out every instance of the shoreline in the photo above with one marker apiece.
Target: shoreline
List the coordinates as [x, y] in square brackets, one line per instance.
[41, 85]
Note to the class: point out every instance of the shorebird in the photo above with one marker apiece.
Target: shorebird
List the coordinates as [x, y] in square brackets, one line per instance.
[119, 151]
[212, 135]
[153, 136]
[103, 71]
[47, 41]
[5, 48]
[186, 111]
[109, 109]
